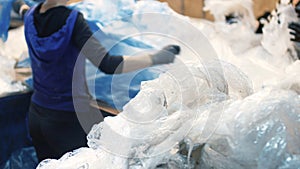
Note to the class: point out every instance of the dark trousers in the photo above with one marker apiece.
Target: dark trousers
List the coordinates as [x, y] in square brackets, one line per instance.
[54, 132]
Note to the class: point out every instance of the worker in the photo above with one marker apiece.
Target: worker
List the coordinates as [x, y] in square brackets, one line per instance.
[55, 35]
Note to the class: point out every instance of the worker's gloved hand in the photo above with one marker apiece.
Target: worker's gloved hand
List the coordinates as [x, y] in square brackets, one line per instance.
[296, 31]
[165, 55]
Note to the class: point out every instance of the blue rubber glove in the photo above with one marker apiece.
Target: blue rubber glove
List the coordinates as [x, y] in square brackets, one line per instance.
[165, 55]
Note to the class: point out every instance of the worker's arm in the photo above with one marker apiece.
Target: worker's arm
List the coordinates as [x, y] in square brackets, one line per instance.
[98, 55]
[163, 56]
[123, 64]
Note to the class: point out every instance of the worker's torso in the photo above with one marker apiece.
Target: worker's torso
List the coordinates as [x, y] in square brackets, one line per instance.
[53, 59]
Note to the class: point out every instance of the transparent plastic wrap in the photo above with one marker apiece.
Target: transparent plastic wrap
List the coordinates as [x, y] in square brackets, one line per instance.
[146, 134]
[8, 83]
[239, 84]
[277, 31]
[254, 54]
[262, 131]
[291, 81]
[259, 131]
[5, 8]
[147, 122]
[85, 158]
[13, 51]
[9, 53]
[6, 73]
[24, 158]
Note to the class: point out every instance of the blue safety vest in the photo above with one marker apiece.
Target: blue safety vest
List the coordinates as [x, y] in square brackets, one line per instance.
[53, 59]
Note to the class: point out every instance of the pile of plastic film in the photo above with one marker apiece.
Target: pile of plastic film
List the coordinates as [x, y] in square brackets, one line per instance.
[190, 124]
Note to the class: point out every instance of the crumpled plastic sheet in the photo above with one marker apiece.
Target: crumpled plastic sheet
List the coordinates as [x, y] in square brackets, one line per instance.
[8, 84]
[291, 82]
[261, 131]
[149, 129]
[277, 30]
[5, 8]
[24, 158]
[258, 131]
[9, 53]
[252, 53]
